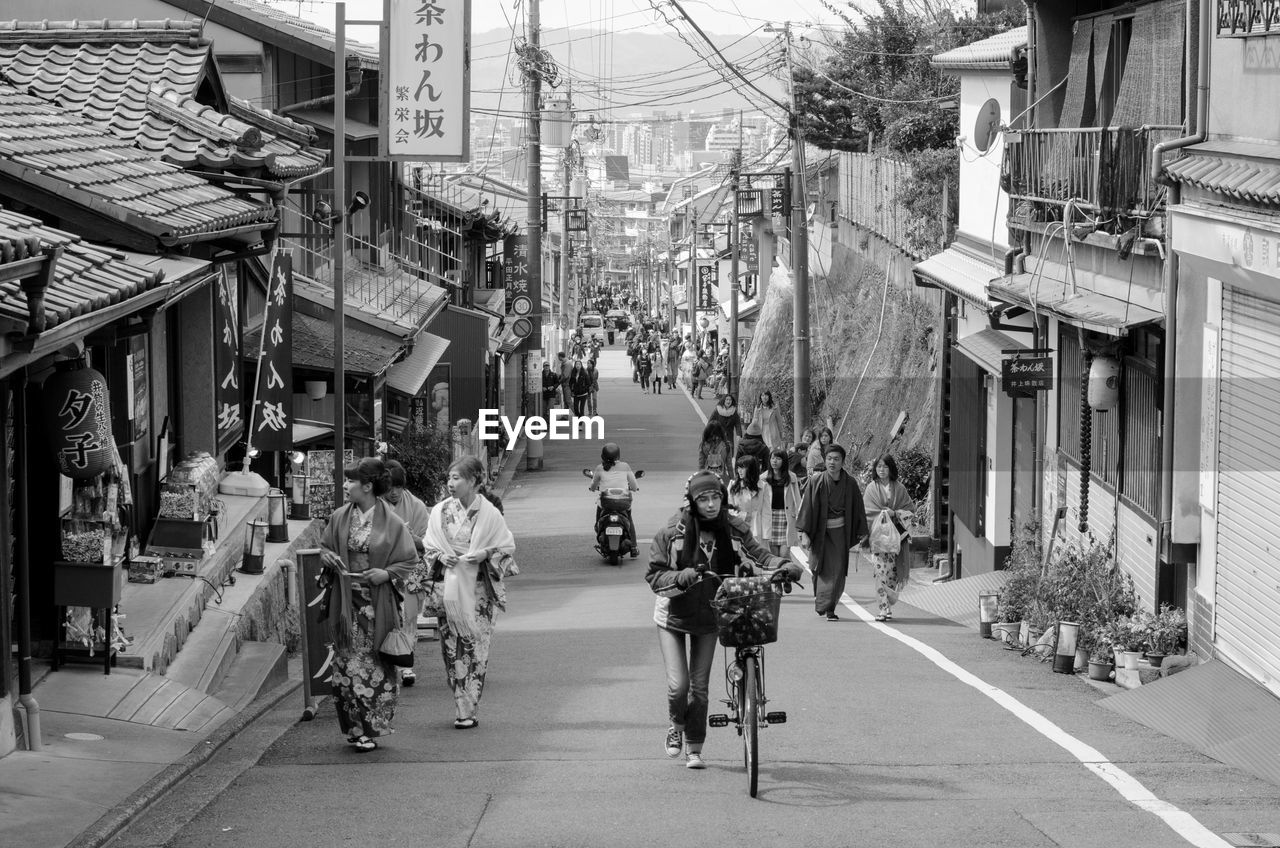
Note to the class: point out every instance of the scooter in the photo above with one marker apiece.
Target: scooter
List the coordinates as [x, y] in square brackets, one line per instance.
[615, 536]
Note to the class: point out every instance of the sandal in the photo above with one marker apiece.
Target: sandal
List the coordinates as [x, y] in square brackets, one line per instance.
[465, 723]
[882, 618]
[364, 744]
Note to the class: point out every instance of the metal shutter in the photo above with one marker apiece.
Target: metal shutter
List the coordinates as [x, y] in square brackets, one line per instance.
[1247, 595]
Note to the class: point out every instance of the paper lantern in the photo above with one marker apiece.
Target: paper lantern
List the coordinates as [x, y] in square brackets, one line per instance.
[1104, 383]
[77, 414]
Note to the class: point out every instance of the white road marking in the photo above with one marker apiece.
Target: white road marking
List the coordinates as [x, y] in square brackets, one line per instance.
[694, 404]
[1180, 822]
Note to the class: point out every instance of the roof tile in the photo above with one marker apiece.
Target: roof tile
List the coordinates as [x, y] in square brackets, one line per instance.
[1246, 180]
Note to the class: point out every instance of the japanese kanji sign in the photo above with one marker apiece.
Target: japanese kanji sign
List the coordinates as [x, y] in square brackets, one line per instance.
[273, 399]
[78, 420]
[708, 282]
[426, 53]
[523, 300]
[227, 400]
[748, 255]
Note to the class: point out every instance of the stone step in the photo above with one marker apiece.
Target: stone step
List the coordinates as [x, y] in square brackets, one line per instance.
[258, 667]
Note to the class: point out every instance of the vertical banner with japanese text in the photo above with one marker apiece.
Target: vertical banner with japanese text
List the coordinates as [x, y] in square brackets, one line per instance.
[426, 94]
[273, 398]
[523, 299]
[708, 282]
[228, 418]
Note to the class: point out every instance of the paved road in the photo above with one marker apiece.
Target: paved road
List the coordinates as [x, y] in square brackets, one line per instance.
[884, 747]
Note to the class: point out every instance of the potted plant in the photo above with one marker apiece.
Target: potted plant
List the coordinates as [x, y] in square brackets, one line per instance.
[1166, 633]
[1101, 652]
[1019, 597]
[1131, 638]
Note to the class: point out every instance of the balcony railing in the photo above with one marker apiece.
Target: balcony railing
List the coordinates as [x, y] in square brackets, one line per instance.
[1104, 171]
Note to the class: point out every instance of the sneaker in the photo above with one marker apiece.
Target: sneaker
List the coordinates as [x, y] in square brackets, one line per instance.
[832, 617]
[693, 760]
[675, 742]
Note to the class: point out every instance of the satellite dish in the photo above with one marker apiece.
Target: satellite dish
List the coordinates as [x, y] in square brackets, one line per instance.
[987, 125]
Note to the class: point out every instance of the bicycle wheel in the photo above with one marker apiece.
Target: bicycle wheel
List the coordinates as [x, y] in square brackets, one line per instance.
[751, 723]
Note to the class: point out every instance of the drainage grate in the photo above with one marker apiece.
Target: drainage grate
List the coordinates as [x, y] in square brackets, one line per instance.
[1253, 840]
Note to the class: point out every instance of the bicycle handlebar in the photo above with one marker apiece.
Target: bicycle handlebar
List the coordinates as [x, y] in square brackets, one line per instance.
[787, 582]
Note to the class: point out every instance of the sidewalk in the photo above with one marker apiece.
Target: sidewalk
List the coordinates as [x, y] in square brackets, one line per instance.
[119, 742]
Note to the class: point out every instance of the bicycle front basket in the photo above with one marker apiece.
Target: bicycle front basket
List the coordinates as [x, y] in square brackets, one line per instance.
[747, 611]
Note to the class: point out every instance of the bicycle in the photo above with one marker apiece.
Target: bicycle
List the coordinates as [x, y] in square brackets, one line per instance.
[744, 676]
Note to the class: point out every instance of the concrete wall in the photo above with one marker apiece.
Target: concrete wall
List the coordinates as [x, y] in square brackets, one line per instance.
[984, 206]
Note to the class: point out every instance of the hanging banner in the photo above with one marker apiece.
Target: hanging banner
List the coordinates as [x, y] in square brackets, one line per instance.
[1025, 375]
[77, 416]
[708, 282]
[273, 396]
[426, 80]
[748, 254]
[228, 416]
[523, 298]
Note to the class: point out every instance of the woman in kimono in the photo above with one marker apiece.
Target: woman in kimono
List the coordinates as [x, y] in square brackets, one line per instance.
[885, 493]
[367, 554]
[469, 543]
[770, 422]
[415, 514]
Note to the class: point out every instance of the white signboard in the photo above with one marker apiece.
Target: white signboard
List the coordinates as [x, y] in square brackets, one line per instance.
[426, 88]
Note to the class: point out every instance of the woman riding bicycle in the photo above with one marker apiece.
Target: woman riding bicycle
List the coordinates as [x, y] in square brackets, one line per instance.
[701, 537]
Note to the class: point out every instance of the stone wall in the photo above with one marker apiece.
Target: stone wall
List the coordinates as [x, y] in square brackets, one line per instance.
[267, 616]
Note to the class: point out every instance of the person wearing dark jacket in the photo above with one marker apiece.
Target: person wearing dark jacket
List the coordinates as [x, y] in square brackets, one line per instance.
[579, 387]
[752, 444]
[832, 520]
[701, 537]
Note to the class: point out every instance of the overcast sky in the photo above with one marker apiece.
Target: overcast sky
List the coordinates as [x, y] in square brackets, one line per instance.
[714, 16]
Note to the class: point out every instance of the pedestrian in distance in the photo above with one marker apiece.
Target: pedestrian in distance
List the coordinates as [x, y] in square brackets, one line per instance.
[580, 387]
[550, 385]
[673, 362]
[415, 514]
[752, 444]
[745, 495]
[701, 370]
[367, 554]
[726, 414]
[817, 457]
[644, 367]
[713, 452]
[688, 361]
[470, 548]
[886, 497]
[782, 506]
[594, 373]
[658, 369]
[565, 370]
[702, 536]
[832, 520]
[770, 421]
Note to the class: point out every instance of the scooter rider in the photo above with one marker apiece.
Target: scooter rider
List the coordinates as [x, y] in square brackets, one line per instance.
[613, 473]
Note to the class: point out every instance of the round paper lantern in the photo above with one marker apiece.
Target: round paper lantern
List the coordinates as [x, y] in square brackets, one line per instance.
[77, 414]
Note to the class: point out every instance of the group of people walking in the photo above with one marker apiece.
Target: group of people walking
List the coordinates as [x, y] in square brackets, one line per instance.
[385, 555]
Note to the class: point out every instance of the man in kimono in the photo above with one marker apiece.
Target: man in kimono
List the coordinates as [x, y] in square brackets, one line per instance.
[832, 520]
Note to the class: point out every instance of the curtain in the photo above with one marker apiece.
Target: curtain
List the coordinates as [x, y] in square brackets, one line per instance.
[1167, 58]
[1133, 105]
[1102, 29]
[1075, 102]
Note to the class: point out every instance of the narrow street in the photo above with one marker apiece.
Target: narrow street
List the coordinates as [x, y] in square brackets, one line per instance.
[883, 746]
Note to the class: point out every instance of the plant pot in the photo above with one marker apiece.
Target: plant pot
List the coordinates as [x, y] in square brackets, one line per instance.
[1119, 657]
[1005, 631]
[1099, 670]
[1131, 659]
[1155, 659]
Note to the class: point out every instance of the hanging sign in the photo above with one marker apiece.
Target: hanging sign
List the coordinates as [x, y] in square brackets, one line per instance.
[748, 254]
[523, 298]
[77, 413]
[1026, 375]
[227, 414]
[272, 415]
[748, 283]
[708, 282]
[426, 48]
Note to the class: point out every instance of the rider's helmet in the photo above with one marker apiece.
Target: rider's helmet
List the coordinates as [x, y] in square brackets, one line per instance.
[610, 453]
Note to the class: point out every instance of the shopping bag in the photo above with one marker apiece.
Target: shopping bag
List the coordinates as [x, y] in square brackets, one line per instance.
[885, 538]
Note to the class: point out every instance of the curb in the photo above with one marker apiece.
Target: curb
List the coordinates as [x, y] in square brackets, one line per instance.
[112, 822]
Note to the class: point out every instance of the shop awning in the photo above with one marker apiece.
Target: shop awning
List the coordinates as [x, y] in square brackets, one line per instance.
[986, 347]
[305, 432]
[1083, 307]
[356, 130]
[366, 350]
[960, 273]
[408, 375]
[746, 309]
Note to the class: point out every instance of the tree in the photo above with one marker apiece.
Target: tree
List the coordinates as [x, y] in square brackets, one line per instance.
[424, 450]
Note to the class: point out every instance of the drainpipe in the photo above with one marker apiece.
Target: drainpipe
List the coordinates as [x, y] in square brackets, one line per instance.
[22, 568]
[1199, 131]
[355, 76]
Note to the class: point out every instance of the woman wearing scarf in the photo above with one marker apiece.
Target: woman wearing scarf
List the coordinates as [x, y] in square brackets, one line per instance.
[713, 452]
[885, 493]
[367, 554]
[817, 458]
[468, 540]
[415, 514]
[701, 537]
[726, 415]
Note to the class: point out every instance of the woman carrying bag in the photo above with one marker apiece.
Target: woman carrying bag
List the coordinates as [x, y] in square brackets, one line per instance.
[470, 545]
[415, 514]
[367, 553]
[888, 506]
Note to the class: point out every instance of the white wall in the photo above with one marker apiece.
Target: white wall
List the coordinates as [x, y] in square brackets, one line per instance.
[982, 202]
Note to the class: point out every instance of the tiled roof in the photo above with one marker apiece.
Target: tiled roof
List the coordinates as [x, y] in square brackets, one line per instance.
[365, 350]
[142, 92]
[316, 34]
[1245, 180]
[86, 278]
[54, 150]
[992, 53]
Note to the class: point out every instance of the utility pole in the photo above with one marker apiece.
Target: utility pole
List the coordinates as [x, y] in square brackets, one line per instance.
[532, 107]
[735, 173]
[564, 258]
[799, 256]
[339, 244]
